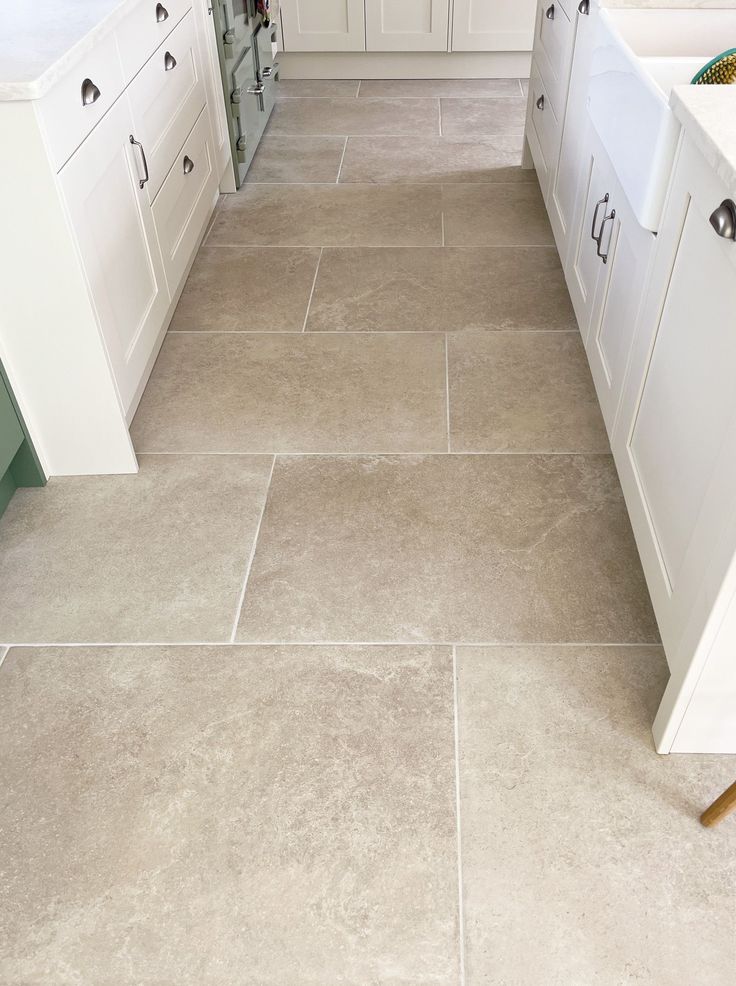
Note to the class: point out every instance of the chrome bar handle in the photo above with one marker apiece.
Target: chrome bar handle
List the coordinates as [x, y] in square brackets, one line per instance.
[723, 219]
[169, 62]
[269, 70]
[604, 256]
[256, 90]
[550, 12]
[90, 92]
[162, 13]
[599, 203]
[141, 181]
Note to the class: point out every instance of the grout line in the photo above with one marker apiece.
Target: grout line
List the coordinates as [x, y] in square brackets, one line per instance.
[491, 97]
[311, 293]
[442, 224]
[360, 83]
[447, 392]
[386, 246]
[385, 452]
[439, 104]
[241, 599]
[314, 643]
[458, 824]
[4, 651]
[342, 158]
[374, 332]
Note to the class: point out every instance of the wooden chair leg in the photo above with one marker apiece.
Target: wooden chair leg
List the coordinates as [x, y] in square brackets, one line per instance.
[720, 808]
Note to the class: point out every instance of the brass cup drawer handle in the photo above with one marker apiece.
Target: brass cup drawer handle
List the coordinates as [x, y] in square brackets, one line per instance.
[550, 12]
[169, 62]
[723, 219]
[90, 92]
[162, 13]
[188, 165]
[540, 103]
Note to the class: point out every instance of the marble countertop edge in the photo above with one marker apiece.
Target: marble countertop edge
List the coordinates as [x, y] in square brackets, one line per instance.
[708, 116]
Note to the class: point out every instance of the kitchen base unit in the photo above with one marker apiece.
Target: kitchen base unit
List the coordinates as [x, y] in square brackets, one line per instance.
[111, 171]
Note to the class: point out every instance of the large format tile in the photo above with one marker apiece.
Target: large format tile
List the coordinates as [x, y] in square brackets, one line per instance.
[317, 87]
[522, 392]
[330, 215]
[157, 556]
[226, 290]
[495, 215]
[353, 116]
[295, 393]
[583, 859]
[297, 159]
[442, 548]
[444, 289]
[434, 159]
[439, 87]
[483, 116]
[228, 816]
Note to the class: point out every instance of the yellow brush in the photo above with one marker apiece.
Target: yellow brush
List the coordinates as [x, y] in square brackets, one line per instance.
[720, 71]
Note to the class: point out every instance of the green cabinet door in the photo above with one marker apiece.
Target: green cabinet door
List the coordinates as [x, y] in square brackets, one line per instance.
[18, 463]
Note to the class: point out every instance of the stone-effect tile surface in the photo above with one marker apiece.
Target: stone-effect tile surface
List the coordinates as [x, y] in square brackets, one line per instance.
[483, 116]
[446, 548]
[583, 859]
[236, 289]
[441, 290]
[522, 392]
[296, 159]
[330, 215]
[156, 556]
[228, 816]
[353, 116]
[318, 87]
[433, 159]
[495, 215]
[439, 87]
[295, 393]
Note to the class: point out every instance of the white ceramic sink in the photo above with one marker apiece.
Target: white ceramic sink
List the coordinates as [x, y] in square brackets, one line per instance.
[639, 56]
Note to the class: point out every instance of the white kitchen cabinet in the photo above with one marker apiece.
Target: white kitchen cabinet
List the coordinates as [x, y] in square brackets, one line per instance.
[406, 25]
[210, 62]
[493, 25]
[675, 448]
[323, 25]
[109, 211]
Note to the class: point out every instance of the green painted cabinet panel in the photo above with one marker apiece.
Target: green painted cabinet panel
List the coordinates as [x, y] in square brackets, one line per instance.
[11, 432]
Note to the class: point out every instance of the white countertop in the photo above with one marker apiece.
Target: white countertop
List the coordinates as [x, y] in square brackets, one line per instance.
[41, 39]
[708, 114]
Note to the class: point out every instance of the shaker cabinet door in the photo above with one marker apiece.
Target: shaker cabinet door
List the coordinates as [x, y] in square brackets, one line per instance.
[500, 25]
[407, 25]
[323, 25]
[116, 239]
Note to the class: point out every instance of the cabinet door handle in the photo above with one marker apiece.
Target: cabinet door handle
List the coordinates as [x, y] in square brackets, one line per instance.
[540, 103]
[269, 70]
[169, 62]
[584, 7]
[256, 90]
[161, 13]
[550, 12]
[604, 256]
[593, 235]
[90, 92]
[141, 181]
[723, 219]
[188, 165]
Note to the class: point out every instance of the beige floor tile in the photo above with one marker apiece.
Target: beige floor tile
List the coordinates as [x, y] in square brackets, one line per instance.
[441, 548]
[351, 116]
[237, 289]
[450, 289]
[295, 393]
[439, 87]
[297, 159]
[433, 159]
[318, 87]
[228, 816]
[330, 215]
[157, 556]
[483, 116]
[522, 392]
[495, 215]
[583, 858]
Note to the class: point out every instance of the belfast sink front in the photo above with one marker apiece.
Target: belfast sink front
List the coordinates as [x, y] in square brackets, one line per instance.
[638, 57]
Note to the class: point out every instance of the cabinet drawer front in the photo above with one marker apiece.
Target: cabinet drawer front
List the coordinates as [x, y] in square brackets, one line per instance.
[78, 102]
[544, 121]
[166, 98]
[553, 44]
[143, 30]
[185, 201]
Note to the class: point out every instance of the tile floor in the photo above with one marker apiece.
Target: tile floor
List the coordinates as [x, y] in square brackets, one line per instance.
[352, 684]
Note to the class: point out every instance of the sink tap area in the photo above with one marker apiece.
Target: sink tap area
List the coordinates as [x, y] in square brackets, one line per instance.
[639, 56]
